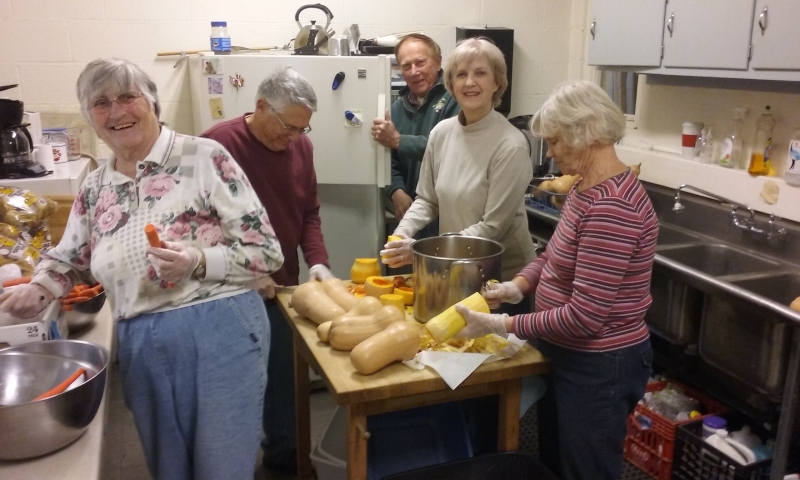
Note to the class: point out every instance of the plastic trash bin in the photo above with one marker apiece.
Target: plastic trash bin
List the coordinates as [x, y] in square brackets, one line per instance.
[505, 466]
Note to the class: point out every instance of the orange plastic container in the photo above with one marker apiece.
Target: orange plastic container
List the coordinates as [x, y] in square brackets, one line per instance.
[651, 449]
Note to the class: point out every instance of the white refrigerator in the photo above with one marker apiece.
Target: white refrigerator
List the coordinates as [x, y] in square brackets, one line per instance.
[352, 169]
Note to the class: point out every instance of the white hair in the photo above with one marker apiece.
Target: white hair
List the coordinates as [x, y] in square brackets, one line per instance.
[104, 75]
[286, 87]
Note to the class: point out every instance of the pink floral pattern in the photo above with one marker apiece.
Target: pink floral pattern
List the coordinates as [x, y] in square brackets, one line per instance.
[107, 198]
[159, 185]
[111, 220]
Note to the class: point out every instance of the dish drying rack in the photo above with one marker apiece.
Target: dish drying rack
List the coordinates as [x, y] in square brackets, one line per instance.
[540, 199]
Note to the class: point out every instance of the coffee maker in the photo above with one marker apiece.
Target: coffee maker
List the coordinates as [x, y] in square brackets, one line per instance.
[15, 142]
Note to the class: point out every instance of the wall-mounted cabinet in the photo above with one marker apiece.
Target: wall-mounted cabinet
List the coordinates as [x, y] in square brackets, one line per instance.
[776, 35]
[626, 32]
[750, 39]
[708, 34]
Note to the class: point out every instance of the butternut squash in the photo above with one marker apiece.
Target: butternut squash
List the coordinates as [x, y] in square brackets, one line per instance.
[394, 300]
[398, 342]
[323, 331]
[365, 306]
[377, 286]
[795, 305]
[407, 293]
[310, 300]
[337, 290]
[348, 331]
[563, 183]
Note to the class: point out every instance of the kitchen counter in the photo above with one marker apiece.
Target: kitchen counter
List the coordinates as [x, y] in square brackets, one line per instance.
[82, 459]
[66, 179]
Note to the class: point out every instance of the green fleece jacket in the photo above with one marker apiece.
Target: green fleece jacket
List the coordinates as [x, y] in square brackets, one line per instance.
[414, 126]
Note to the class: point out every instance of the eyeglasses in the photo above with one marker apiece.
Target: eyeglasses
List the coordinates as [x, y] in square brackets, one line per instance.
[103, 104]
[291, 129]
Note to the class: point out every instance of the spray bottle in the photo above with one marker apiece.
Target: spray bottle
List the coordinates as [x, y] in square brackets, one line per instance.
[792, 175]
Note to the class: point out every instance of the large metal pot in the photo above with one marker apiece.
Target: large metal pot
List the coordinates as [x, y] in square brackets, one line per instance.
[448, 269]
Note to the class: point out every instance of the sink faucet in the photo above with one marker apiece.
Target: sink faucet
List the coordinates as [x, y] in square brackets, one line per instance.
[744, 223]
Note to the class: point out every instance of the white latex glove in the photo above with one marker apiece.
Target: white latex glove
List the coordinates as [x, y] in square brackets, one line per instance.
[265, 287]
[174, 262]
[497, 293]
[398, 252]
[481, 324]
[25, 301]
[319, 272]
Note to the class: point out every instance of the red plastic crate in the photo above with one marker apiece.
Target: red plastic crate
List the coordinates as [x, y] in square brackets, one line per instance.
[651, 450]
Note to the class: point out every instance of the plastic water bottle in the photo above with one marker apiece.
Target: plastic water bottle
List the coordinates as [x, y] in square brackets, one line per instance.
[220, 40]
[792, 175]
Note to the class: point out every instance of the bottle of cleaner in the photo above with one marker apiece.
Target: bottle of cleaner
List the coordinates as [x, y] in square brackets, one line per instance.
[792, 175]
[760, 163]
[730, 152]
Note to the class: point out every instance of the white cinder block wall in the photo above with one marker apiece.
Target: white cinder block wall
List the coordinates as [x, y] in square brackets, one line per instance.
[48, 42]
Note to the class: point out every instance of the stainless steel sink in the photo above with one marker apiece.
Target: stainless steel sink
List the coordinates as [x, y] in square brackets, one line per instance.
[718, 260]
[747, 341]
[672, 236]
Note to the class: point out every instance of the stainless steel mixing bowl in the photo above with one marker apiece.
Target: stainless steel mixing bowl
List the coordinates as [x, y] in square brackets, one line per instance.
[33, 428]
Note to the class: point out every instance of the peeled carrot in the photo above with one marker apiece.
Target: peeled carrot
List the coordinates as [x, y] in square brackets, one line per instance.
[152, 235]
[16, 281]
[61, 386]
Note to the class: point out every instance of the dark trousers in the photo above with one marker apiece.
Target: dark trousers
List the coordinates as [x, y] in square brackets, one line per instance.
[280, 444]
[582, 415]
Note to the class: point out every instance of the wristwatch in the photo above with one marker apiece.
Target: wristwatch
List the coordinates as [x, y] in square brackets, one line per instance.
[199, 271]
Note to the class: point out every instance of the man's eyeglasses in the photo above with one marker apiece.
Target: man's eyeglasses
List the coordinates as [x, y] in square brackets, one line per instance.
[103, 104]
[291, 129]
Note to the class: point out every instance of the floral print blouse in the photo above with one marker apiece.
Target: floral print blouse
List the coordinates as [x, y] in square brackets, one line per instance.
[193, 192]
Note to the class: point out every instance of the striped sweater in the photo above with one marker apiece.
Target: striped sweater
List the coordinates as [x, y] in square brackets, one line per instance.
[592, 283]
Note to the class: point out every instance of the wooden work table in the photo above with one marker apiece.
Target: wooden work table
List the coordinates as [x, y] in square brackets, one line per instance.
[395, 387]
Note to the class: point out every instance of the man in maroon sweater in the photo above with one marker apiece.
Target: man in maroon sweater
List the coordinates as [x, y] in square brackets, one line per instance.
[271, 147]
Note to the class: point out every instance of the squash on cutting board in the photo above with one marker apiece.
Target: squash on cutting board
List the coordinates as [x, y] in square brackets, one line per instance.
[348, 331]
[310, 301]
[396, 343]
[337, 290]
[377, 286]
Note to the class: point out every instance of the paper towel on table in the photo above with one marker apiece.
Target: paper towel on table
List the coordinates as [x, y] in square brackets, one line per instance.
[455, 367]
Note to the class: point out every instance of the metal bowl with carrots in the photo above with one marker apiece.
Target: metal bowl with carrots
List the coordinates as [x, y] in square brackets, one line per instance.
[81, 305]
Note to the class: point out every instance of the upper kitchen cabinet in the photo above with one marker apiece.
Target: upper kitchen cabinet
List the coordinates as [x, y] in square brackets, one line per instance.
[776, 35]
[712, 34]
[626, 32]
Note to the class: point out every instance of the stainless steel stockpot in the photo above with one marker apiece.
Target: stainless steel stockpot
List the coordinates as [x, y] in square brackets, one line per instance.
[448, 269]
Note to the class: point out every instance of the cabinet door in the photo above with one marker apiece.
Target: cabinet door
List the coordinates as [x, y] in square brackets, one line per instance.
[776, 35]
[708, 33]
[626, 32]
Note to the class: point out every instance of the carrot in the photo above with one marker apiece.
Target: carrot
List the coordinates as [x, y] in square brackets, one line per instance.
[152, 235]
[72, 295]
[97, 289]
[80, 287]
[61, 386]
[70, 301]
[16, 281]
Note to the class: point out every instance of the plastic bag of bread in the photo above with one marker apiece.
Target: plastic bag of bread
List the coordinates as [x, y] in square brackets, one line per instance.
[21, 247]
[23, 208]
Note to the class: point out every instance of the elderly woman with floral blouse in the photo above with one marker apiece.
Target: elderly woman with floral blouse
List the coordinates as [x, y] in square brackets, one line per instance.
[193, 336]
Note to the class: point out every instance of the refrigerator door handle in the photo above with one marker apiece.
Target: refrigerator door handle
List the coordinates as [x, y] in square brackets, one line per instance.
[383, 156]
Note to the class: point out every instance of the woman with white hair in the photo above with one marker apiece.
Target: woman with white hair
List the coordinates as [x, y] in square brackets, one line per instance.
[591, 287]
[193, 337]
[476, 166]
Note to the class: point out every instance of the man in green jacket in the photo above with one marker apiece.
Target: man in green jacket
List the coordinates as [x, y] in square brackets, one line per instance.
[423, 103]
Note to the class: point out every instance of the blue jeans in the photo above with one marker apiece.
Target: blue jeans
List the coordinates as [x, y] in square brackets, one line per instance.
[280, 444]
[194, 378]
[582, 415]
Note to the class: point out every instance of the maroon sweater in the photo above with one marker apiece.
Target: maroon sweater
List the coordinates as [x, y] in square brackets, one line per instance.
[592, 283]
[286, 184]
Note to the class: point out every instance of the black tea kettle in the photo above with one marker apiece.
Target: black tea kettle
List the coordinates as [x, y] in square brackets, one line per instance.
[312, 39]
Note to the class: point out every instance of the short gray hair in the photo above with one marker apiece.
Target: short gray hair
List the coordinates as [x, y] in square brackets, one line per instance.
[287, 87]
[468, 50]
[581, 115]
[104, 75]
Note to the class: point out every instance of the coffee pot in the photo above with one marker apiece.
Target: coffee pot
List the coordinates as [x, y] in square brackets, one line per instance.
[16, 143]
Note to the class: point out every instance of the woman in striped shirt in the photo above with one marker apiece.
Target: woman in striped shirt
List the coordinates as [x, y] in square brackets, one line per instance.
[591, 288]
